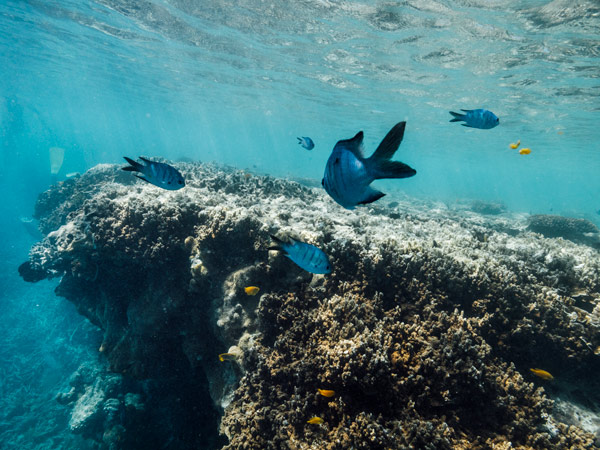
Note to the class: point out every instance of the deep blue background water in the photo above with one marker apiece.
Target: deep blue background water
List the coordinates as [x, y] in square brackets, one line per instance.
[236, 81]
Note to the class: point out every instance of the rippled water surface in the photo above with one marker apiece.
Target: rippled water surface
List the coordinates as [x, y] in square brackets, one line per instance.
[237, 81]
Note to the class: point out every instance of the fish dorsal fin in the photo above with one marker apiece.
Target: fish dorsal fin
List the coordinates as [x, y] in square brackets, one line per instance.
[390, 142]
[355, 145]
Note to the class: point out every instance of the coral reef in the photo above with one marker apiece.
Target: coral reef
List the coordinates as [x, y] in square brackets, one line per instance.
[577, 230]
[492, 208]
[426, 329]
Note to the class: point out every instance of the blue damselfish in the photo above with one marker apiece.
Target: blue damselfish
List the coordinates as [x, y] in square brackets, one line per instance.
[476, 118]
[348, 173]
[306, 256]
[306, 142]
[159, 174]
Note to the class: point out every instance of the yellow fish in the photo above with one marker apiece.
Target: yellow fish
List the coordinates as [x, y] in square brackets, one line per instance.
[525, 151]
[251, 290]
[542, 374]
[315, 420]
[227, 357]
[326, 392]
[513, 146]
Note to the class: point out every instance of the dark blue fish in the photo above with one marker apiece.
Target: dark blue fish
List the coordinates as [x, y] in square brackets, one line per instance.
[348, 173]
[159, 174]
[308, 257]
[306, 142]
[476, 118]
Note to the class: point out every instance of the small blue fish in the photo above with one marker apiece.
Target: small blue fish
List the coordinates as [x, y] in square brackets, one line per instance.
[306, 256]
[306, 142]
[348, 173]
[159, 174]
[476, 118]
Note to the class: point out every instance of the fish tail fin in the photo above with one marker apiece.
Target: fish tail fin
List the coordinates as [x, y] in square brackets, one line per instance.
[457, 117]
[133, 166]
[392, 169]
[299, 140]
[278, 244]
[379, 164]
[390, 143]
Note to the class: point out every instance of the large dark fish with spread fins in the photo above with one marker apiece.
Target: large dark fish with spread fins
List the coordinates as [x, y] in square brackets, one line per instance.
[348, 174]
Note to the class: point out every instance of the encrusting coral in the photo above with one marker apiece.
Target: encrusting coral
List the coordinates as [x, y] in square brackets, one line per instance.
[426, 328]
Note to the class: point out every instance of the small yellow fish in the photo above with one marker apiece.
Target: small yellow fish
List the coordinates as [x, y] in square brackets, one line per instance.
[326, 392]
[227, 357]
[251, 290]
[315, 420]
[542, 374]
[513, 146]
[525, 151]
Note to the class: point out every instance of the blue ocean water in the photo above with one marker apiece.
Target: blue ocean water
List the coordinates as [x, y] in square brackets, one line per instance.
[237, 81]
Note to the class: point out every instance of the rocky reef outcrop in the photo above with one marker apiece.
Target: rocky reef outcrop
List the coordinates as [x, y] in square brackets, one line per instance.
[426, 329]
[574, 229]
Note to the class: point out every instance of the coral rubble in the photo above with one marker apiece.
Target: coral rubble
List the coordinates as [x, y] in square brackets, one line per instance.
[426, 329]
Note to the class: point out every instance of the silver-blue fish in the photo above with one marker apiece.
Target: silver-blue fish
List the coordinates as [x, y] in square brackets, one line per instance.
[159, 174]
[306, 142]
[348, 173]
[307, 256]
[476, 118]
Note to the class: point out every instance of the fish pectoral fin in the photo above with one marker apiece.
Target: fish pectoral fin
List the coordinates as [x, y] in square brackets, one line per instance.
[142, 178]
[370, 196]
[467, 125]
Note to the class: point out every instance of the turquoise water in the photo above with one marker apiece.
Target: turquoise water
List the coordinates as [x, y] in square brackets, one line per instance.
[236, 82]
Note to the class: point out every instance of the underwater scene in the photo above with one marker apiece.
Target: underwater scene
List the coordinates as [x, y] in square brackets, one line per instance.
[301, 225]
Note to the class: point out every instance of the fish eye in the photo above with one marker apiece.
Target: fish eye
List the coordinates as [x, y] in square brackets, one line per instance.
[180, 181]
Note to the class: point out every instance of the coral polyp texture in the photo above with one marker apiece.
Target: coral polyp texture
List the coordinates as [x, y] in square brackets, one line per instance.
[426, 329]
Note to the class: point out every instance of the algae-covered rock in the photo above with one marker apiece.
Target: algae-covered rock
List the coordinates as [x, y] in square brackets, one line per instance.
[426, 329]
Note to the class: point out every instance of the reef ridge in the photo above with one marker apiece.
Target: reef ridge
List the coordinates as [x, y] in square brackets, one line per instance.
[426, 329]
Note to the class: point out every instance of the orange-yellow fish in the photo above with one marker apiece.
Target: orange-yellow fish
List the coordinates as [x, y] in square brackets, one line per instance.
[525, 151]
[227, 357]
[542, 374]
[252, 290]
[513, 146]
[326, 392]
[315, 420]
